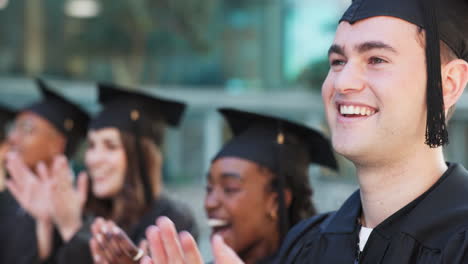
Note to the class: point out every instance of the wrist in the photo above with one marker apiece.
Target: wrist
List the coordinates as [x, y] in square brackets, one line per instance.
[44, 233]
[44, 224]
[69, 230]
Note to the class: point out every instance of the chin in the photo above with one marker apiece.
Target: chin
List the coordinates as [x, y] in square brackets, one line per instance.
[351, 149]
[102, 193]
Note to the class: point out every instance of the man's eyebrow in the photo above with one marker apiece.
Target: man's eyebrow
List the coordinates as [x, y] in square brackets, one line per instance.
[362, 48]
[336, 49]
[370, 45]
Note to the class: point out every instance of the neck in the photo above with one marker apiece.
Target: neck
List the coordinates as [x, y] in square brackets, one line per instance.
[386, 188]
[260, 250]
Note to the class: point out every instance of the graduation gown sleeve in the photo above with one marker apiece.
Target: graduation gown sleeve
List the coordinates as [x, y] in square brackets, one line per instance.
[178, 212]
[77, 249]
[18, 242]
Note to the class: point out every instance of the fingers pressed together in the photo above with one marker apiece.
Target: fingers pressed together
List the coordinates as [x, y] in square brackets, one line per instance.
[110, 244]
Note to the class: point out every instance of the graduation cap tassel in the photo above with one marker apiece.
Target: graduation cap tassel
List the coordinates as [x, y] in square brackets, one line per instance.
[282, 211]
[148, 194]
[436, 129]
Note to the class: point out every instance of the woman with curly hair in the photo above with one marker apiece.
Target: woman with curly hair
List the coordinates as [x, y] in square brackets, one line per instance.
[258, 184]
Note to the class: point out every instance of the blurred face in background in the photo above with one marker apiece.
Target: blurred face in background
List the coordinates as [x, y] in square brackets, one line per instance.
[106, 161]
[241, 205]
[35, 139]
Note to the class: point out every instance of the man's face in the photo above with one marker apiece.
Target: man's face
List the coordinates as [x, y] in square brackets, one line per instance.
[375, 91]
[35, 139]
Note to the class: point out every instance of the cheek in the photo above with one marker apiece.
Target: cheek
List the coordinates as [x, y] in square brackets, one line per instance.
[120, 162]
[32, 150]
[327, 97]
[249, 221]
[90, 158]
[327, 88]
[255, 212]
[409, 83]
[114, 166]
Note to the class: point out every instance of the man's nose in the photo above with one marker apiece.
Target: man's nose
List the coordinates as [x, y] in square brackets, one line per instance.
[350, 79]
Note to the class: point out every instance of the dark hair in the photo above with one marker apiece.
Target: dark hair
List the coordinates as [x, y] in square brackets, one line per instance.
[127, 207]
[296, 178]
[71, 145]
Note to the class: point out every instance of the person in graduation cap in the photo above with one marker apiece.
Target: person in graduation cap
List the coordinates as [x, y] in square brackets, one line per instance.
[397, 69]
[265, 166]
[49, 127]
[124, 163]
[258, 184]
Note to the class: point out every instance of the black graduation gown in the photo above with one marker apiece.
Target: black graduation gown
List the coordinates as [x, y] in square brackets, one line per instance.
[266, 260]
[431, 229]
[18, 243]
[77, 249]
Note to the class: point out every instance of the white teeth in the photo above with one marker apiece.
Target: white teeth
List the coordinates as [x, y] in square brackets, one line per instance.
[363, 111]
[212, 222]
[356, 110]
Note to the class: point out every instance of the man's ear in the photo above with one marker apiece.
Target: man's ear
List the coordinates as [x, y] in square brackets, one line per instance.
[454, 81]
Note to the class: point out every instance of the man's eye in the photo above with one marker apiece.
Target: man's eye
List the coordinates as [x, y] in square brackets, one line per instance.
[337, 62]
[376, 60]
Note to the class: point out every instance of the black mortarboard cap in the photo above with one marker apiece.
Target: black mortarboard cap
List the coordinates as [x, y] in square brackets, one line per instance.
[6, 114]
[276, 144]
[442, 20]
[256, 139]
[125, 109]
[138, 114]
[65, 116]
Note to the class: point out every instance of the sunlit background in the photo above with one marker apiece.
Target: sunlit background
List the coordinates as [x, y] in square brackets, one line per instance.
[261, 55]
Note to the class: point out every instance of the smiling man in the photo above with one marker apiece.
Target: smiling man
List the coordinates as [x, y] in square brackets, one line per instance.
[397, 69]
[387, 96]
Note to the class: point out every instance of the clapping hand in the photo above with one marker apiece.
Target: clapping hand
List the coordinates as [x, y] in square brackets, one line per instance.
[29, 189]
[110, 244]
[168, 247]
[67, 202]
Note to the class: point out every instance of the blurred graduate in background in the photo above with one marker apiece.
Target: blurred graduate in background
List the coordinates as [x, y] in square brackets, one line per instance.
[124, 164]
[47, 128]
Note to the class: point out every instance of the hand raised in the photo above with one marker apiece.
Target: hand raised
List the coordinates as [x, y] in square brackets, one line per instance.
[167, 247]
[28, 188]
[66, 200]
